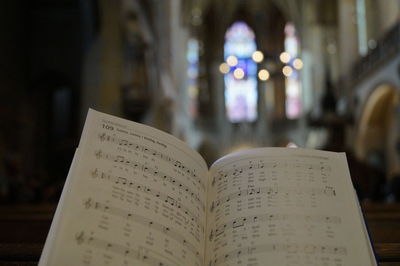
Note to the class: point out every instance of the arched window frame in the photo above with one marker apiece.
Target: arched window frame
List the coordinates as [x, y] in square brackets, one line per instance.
[240, 79]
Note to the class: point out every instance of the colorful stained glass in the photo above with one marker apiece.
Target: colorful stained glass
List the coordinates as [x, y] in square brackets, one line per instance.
[241, 95]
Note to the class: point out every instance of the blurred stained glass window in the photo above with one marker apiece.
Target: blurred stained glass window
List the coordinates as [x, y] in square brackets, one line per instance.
[240, 79]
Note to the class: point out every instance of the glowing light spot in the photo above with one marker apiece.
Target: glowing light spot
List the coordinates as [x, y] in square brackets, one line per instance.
[263, 74]
[257, 56]
[232, 60]
[238, 73]
[287, 71]
[284, 57]
[298, 64]
[224, 68]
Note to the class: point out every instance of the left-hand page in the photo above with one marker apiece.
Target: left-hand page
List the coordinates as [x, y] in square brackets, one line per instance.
[136, 196]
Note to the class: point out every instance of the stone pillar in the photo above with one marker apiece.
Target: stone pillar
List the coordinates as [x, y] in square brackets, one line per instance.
[109, 97]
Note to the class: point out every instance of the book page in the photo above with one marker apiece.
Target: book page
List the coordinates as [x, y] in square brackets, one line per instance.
[137, 197]
[277, 206]
[51, 236]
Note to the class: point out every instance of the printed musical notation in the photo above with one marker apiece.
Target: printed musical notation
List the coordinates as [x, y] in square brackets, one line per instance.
[327, 191]
[147, 169]
[142, 254]
[251, 166]
[259, 205]
[150, 191]
[124, 214]
[242, 221]
[124, 181]
[290, 248]
[153, 152]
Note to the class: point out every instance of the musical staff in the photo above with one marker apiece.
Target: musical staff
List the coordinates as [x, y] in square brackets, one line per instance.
[149, 191]
[136, 196]
[124, 214]
[242, 221]
[146, 150]
[279, 205]
[147, 169]
[144, 255]
[251, 166]
[327, 191]
[293, 248]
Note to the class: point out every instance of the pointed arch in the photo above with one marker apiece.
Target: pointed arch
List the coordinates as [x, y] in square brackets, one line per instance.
[375, 120]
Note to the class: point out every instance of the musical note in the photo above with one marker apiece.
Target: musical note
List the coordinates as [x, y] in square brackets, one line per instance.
[123, 142]
[170, 200]
[238, 223]
[280, 247]
[220, 230]
[176, 235]
[155, 193]
[328, 192]
[150, 258]
[121, 159]
[178, 164]
[161, 176]
[121, 180]
[251, 166]
[253, 191]
[267, 217]
[149, 151]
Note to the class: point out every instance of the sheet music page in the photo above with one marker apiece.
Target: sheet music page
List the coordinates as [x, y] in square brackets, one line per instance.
[137, 198]
[51, 236]
[277, 206]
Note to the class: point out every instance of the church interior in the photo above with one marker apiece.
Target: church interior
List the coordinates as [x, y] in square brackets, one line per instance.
[220, 75]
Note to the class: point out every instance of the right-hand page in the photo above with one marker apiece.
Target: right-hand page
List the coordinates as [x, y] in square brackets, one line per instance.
[284, 206]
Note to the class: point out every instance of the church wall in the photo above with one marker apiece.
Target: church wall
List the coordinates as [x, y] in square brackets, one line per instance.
[50, 45]
[386, 74]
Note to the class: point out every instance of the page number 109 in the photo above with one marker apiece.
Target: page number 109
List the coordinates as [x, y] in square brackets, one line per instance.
[108, 127]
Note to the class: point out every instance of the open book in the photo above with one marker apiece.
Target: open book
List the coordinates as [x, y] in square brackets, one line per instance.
[138, 196]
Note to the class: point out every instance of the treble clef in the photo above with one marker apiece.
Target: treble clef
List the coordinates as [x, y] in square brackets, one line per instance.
[79, 237]
[88, 203]
[98, 154]
[94, 173]
[102, 136]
